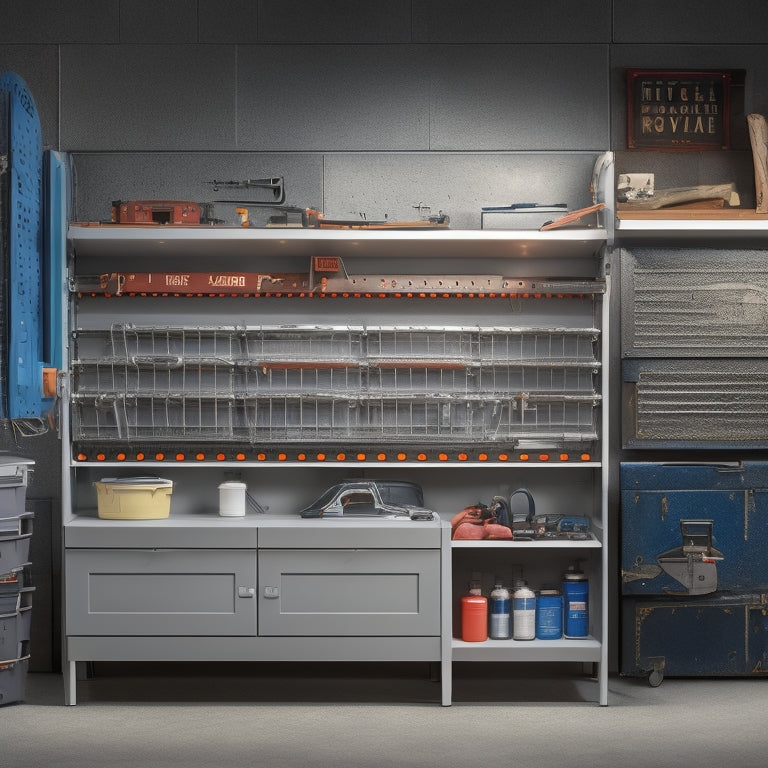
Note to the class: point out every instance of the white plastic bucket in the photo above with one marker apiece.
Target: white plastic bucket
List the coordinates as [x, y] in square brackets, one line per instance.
[232, 499]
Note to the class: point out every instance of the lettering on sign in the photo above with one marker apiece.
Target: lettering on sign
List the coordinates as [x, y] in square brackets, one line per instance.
[177, 280]
[326, 264]
[677, 110]
[227, 281]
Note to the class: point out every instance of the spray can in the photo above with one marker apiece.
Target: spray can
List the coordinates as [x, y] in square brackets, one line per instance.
[576, 599]
[500, 616]
[524, 612]
[549, 615]
[474, 618]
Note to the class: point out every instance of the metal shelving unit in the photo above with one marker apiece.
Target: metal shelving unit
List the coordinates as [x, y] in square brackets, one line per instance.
[294, 390]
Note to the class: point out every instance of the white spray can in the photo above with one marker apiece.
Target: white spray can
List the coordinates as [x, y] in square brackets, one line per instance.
[500, 614]
[524, 612]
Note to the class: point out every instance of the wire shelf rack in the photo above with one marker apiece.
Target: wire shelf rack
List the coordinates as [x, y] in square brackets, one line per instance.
[354, 384]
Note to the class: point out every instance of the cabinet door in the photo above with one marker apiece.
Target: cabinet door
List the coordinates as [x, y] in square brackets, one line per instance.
[160, 592]
[336, 592]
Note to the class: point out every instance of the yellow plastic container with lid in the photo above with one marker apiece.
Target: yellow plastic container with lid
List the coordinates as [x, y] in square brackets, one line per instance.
[133, 498]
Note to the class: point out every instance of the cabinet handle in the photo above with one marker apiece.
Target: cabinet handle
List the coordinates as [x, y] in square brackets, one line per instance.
[271, 593]
[246, 591]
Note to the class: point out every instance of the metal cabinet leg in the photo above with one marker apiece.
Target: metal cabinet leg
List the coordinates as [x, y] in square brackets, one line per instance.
[446, 673]
[70, 683]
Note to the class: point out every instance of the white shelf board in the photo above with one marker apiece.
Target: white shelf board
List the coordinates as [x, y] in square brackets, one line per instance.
[124, 240]
[564, 649]
[591, 543]
[691, 228]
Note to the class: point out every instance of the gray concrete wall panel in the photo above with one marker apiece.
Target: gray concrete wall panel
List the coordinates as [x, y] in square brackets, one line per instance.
[488, 21]
[38, 65]
[147, 21]
[147, 97]
[343, 21]
[332, 98]
[227, 21]
[54, 21]
[528, 97]
[690, 21]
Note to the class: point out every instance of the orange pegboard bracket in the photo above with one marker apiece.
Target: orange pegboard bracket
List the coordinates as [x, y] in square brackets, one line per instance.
[49, 382]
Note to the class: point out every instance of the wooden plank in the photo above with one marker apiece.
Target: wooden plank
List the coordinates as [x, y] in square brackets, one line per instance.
[758, 137]
[704, 214]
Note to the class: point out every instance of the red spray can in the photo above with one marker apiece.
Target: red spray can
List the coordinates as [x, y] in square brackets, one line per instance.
[474, 618]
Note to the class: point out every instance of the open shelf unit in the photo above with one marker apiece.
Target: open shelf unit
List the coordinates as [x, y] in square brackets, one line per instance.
[502, 383]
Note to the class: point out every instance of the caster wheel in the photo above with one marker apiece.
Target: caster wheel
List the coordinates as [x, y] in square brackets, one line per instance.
[655, 678]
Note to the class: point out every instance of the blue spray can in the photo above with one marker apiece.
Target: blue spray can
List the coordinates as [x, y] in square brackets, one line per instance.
[576, 599]
[549, 615]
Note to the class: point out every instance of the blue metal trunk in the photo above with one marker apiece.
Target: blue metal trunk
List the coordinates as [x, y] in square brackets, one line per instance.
[658, 499]
[716, 636]
[694, 569]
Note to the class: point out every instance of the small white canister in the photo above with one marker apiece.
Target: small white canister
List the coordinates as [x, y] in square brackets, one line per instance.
[232, 499]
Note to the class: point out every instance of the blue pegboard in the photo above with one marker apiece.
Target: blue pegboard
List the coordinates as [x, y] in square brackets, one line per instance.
[4, 249]
[58, 201]
[24, 311]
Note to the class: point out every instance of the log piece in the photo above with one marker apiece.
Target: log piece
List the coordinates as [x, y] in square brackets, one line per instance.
[758, 137]
[678, 195]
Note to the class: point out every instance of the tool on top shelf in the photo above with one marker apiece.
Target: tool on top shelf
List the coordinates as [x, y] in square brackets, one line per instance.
[520, 215]
[231, 211]
[327, 276]
[275, 186]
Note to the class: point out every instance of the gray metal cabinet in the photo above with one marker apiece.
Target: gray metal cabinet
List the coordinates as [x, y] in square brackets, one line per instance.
[349, 592]
[694, 369]
[148, 592]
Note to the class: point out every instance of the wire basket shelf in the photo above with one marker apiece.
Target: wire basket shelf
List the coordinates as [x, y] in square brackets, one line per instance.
[352, 384]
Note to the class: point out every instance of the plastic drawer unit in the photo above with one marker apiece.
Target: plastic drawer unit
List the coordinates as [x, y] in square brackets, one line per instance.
[15, 626]
[15, 535]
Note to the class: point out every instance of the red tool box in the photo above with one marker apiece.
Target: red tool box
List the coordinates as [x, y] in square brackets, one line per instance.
[156, 212]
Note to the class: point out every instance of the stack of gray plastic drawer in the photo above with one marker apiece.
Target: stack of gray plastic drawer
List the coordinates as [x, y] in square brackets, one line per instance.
[15, 588]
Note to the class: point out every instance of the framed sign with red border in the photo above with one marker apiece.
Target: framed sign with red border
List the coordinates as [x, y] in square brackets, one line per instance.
[682, 110]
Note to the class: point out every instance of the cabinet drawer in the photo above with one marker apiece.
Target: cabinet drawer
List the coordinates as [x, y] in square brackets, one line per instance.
[160, 592]
[349, 592]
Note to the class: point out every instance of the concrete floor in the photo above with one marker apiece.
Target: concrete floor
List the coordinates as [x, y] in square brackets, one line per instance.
[313, 716]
